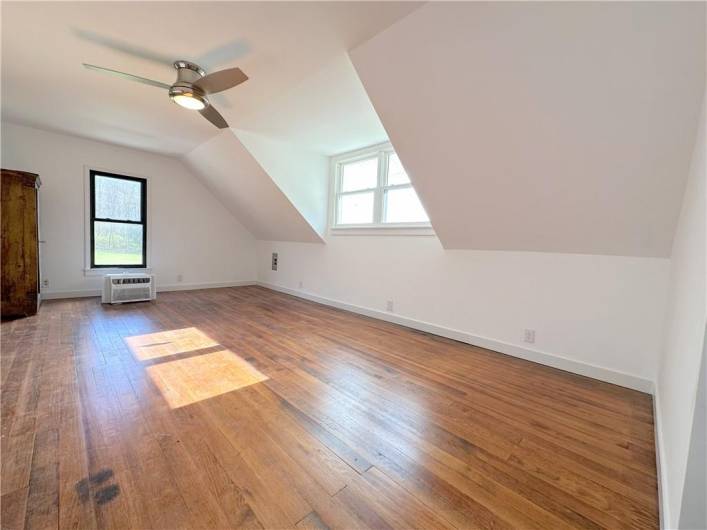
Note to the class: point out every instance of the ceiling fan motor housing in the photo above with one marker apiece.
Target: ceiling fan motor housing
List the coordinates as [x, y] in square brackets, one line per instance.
[187, 74]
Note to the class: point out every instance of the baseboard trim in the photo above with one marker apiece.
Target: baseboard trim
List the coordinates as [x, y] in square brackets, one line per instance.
[545, 358]
[84, 293]
[193, 286]
[87, 293]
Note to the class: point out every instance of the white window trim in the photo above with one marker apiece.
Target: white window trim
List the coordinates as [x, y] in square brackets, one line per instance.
[102, 271]
[382, 151]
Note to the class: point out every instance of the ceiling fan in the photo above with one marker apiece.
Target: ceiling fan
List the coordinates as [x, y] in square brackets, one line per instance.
[191, 88]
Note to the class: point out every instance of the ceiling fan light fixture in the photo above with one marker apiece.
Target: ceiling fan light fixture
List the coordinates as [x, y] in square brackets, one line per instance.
[189, 102]
[187, 98]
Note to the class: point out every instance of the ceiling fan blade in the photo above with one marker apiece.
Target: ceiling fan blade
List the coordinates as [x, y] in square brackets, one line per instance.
[221, 80]
[126, 47]
[129, 77]
[214, 117]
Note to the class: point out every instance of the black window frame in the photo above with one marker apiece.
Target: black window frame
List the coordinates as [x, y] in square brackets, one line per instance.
[142, 221]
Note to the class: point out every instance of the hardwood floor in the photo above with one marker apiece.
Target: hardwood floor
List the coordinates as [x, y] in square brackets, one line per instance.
[244, 407]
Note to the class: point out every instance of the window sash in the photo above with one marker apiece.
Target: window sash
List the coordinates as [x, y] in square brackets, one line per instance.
[93, 219]
[385, 203]
[379, 191]
[363, 190]
[110, 220]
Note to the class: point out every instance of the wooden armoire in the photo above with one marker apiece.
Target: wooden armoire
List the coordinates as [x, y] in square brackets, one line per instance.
[20, 244]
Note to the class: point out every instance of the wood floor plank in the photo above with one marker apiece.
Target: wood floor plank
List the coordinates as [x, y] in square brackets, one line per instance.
[312, 522]
[13, 509]
[247, 408]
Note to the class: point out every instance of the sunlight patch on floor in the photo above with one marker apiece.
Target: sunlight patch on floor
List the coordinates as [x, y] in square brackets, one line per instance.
[165, 343]
[186, 381]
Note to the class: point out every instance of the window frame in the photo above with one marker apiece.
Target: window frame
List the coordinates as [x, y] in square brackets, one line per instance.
[92, 218]
[382, 153]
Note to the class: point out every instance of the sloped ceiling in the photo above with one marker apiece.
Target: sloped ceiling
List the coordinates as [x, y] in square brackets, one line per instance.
[328, 112]
[561, 127]
[278, 44]
[303, 99]
[231, 172]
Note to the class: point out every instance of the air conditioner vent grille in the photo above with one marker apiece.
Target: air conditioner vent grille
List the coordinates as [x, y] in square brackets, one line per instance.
[142, 293]
[124, 281]
[120, 288]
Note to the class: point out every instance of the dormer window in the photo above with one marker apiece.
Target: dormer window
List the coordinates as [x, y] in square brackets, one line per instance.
[372, 189]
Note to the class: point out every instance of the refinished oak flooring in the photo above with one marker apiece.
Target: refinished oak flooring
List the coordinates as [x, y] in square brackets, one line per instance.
[244, 407]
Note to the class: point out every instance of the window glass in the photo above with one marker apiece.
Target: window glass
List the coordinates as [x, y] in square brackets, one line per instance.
[356, 208]
[403, 206]
[360, 175]
[118, 198]
[117, 243]
[396, 173]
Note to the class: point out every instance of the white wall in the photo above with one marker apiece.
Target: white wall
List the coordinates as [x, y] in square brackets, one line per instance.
[693, 513]
[236, 177]
[682, 350]
[602, 314]
[190, 232]
[302, 175]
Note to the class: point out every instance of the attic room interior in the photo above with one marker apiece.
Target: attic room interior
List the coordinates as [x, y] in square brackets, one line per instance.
[348, 265]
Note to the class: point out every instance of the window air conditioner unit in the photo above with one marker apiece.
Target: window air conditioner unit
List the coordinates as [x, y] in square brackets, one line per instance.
[119, 288]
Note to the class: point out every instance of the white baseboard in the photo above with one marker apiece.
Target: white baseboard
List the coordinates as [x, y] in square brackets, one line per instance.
[549, 359]
[84, 293]
[53, 295]
[192, 286]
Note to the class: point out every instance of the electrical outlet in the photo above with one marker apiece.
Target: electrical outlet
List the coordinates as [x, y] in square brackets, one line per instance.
[45, 283]
[179, 277]
[274, 261]
[389, 306]
[300, 284]
[529, 336]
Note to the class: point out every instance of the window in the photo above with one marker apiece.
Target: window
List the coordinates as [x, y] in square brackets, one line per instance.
[118, 220]
[372, 189]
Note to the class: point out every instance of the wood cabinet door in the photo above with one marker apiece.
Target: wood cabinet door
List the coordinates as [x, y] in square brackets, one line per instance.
[19, 244]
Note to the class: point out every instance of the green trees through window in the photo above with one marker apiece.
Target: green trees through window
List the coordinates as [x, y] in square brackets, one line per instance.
[118, 220]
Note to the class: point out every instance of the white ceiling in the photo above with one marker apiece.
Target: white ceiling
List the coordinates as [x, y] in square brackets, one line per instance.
[328, 112]
[557, 127]
[279, 45]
